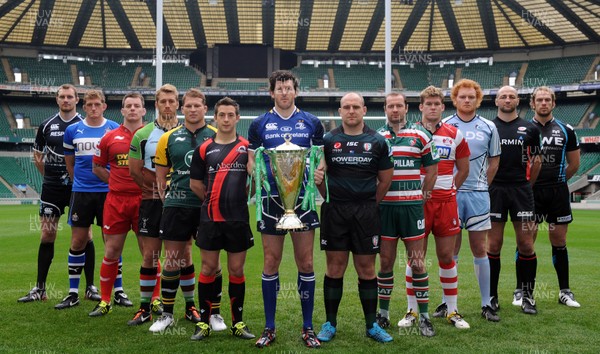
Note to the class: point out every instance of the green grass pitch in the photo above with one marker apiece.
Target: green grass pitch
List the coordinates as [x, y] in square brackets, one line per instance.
[39, 328]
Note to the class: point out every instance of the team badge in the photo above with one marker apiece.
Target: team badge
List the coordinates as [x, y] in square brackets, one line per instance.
[242, 149]
[367, 146]
[74, 217]
[375, 240]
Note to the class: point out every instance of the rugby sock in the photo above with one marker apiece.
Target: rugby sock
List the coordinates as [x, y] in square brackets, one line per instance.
[455, 258]
[169, 282]
[420, 285]
[237, 292]
[333, 289]
[306, 291]
[188, 285]
[108, 274]
[147, 286]
[45, 255]
[367, 292]
[216, 300]
[410, 292]
[494, 260]
[385, 285]
[560, 259]
[449, 281]
[482, 272]
[528, 269]
[205, 294]
[76, 262]
[119, 279]
[156, 290]
[90, 263]
[270, 287]
[517, 269]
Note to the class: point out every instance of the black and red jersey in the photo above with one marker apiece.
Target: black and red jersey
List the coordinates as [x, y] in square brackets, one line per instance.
[222, 169]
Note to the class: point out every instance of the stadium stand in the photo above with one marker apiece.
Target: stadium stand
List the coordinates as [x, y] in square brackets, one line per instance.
[107, 75]
[4, 125]
[34, 177]
[588, 161]
[359, 78]
[557, 71]
[490, 76]
[242, 85]
[310, 76]
[570, 113]
[42, 72]
[35, 110]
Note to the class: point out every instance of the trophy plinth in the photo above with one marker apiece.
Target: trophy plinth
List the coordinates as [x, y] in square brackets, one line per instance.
[288, 163]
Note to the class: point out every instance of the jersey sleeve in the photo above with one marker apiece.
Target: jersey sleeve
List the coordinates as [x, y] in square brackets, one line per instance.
[462, 147]
[69, 148]
[162, 154]
[386, 161]
[572, 140]
[101, 155]
[135, 148]
[317, 138]
[198, 166]
[494, 148]
[254, 137]
[429, 154]
[40, 139]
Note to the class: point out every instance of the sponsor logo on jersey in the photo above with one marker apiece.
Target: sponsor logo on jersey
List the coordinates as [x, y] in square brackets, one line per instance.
[118, 137]
[271, 126]
[54, 127]
[180, 139]
[286, 129]
[522, 214]
[337, 145]
[58, 133]
[242, 150]
[213, 151]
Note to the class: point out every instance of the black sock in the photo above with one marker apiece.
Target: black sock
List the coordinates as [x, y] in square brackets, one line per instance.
[237, 293]
[45, 256]
[518, 286]
[528, 269]
[367, 292]
[216, 301]
[169, 282]
[333, 290]
[90, 265]
[494, 273]
[560, 259]
[205, 295]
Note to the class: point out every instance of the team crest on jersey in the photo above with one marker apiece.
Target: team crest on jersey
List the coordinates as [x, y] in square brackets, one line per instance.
[413, 141]
[188, 158]
[242, 150]
[74, 217]
[300, 126]
[367, 146]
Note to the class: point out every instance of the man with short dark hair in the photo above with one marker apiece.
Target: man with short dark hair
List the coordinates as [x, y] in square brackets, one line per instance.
[49, 159]
[359, 170]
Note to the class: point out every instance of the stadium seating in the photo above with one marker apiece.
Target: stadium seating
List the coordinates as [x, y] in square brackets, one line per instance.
[4, 125]
[359, 78]
[559, 71]
[309, 75]
[42, 72]
[12, 171]
[34, 177]
[570, 113]
[183, 77]
[588, 161]
[35, 110]
[107, 75]
[490, 76]
[243, 85]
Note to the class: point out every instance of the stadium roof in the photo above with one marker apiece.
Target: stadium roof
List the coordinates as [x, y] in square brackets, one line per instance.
[302, 25]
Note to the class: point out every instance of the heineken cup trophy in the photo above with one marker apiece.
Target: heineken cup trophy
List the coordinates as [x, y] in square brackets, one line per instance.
[288, 163]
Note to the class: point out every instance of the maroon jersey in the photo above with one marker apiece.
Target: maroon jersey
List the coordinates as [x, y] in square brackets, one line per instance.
[222, 169]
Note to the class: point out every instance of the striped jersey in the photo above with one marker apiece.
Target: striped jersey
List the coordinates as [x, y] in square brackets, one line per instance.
[451, 146]
[223, 170]
[412, 148]
[482, 136]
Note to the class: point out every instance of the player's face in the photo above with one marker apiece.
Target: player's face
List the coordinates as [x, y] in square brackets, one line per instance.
[431, 109]
[507, 100]
[284, 95]
[396, 109]
[94, 108]
[226, 119]
[133, 110]
[67, 100]
[543, 104]
[167, 105]
[194, 110]
[352, 110]
[466, 100]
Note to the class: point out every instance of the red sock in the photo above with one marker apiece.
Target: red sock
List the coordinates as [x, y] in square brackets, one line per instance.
[156, 292]
[108, 274]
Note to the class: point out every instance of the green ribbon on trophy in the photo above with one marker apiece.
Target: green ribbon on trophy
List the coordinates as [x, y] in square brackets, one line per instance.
[288, 165]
